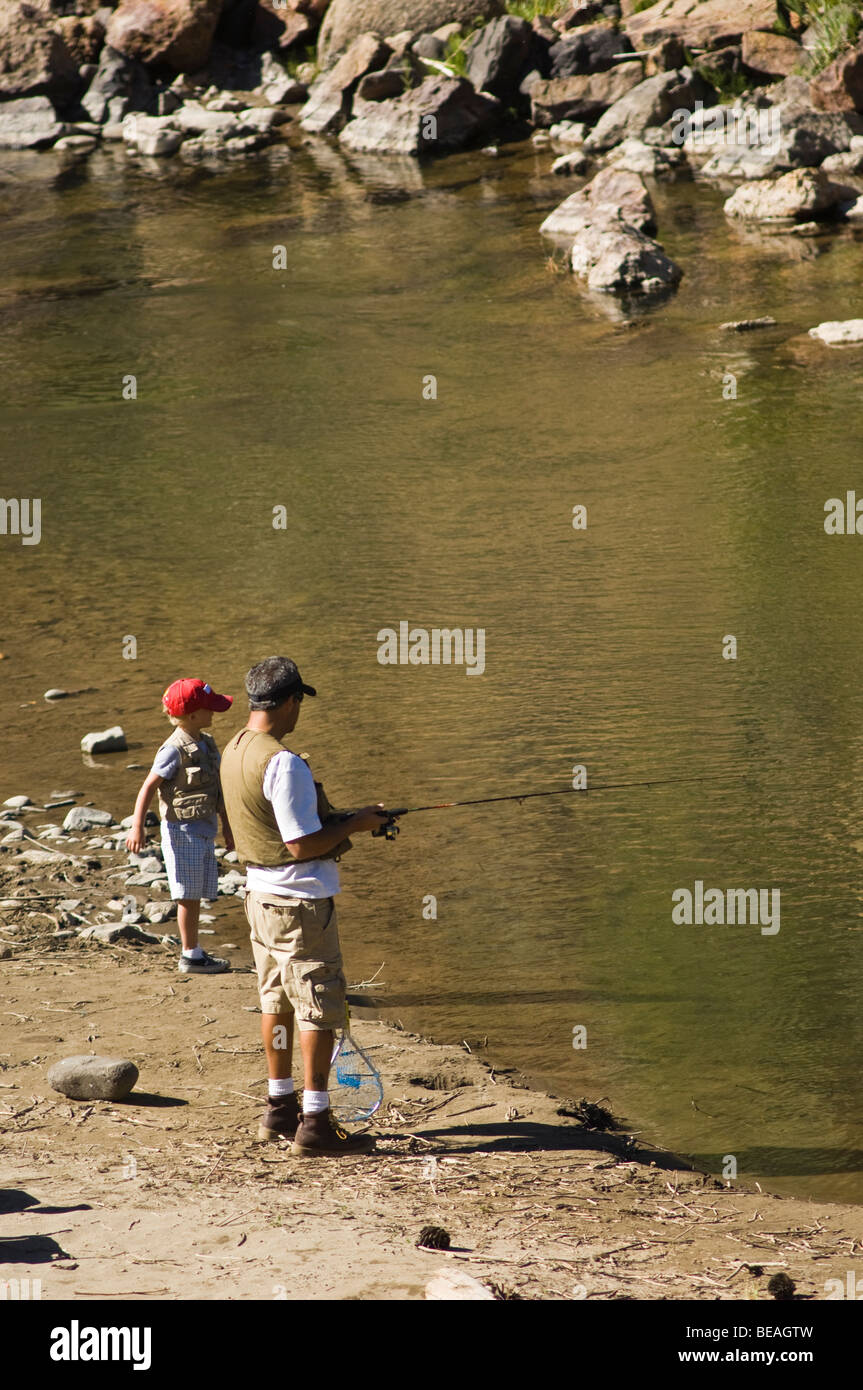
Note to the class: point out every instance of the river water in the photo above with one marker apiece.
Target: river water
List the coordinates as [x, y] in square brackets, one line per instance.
[302, 388]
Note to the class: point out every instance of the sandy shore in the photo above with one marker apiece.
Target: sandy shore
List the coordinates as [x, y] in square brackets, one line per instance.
[168, 1196]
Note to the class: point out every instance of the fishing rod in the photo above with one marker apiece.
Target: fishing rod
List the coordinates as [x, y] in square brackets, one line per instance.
[389, 830]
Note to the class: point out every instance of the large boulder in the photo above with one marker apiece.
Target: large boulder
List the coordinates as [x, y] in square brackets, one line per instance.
[442, 114]
[612, 190]
[345, 20]
[702, 24]
[801, 193]
[34, 59]
[500, 55]
[768, 56]
[773, 142]
[581, 98]
[176, 33]
[120, 85]
[329, 105]
[839, 87]
[28, 124]
[617, 258]
[592, 49]
[651, 103]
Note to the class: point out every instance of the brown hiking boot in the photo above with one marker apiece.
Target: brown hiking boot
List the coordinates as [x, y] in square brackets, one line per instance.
[321, 1136]
[281, 1119]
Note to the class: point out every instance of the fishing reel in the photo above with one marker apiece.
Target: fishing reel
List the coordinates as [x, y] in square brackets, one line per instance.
[389, 829]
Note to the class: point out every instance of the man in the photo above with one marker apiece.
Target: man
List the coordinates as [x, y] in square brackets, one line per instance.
[289, 838]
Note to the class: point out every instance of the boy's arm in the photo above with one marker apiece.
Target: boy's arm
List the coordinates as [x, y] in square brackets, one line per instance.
[136, 839]
[227, 835]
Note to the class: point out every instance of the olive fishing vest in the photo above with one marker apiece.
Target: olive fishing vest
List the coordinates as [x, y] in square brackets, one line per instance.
[193, 793]
[257, 837]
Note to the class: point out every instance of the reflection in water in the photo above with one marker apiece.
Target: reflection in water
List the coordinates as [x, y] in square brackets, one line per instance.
[302, 388]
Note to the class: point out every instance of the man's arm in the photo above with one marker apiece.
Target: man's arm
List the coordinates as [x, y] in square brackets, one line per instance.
[314, 845]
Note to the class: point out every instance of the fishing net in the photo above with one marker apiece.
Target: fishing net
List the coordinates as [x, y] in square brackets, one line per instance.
[355, 1086]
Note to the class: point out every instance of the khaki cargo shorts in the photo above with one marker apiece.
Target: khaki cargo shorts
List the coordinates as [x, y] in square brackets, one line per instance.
[298, 958]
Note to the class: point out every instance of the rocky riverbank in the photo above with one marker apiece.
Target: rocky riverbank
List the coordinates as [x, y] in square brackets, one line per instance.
[757, 97]
[165, 1193]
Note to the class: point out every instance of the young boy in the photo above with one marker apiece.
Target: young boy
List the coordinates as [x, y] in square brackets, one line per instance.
[186, 772]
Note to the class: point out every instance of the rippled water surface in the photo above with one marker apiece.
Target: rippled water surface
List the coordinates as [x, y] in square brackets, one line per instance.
[303, 388]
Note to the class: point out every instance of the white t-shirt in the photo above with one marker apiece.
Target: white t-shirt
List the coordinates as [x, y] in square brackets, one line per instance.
[290, 786]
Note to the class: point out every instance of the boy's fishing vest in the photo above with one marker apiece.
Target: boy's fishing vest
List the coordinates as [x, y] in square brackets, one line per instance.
[193, 793]
[257, 838]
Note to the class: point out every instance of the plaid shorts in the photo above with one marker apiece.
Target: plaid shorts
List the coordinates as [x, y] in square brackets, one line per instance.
[190, 862]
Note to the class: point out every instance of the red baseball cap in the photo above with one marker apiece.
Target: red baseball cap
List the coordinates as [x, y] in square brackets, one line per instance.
[185, 696]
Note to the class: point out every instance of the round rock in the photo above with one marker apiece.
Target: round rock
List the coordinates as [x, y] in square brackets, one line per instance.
[54, 694]
[17, 803]
[93, 1078]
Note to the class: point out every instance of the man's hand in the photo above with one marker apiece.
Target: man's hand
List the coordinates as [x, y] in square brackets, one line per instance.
[367, 818]
[136, 839]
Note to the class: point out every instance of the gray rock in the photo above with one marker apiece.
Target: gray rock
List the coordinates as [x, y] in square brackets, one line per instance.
[83, 817]
[835, 332]
[28, 124]
[569, 132]
[346, 19]
[54, 694]
[650, 103]
[196, 119]
[17, 803]
[157, 913]
[381, 86]
[615, 258]
[77, 144]
[148, 862]
[797, 140]
[152, 135]
[655, 160]
[802, 193]
[231, 881]
[120, 85]
[589, 49]
[580, 98]
[289, 92]
[500, 54]
[14, 835]
[443, 113]
[612, 190]
[847, 162]
[150, 819]
[329, 103]
[569, 164]
[93, 1078]
[40, 857]
[109, 932]
[429, 46]
[109, 741]
[262, 117]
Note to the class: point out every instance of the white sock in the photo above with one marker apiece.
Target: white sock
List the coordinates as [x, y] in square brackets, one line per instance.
[194, 953]
[315, 1101]
[281, 1088]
